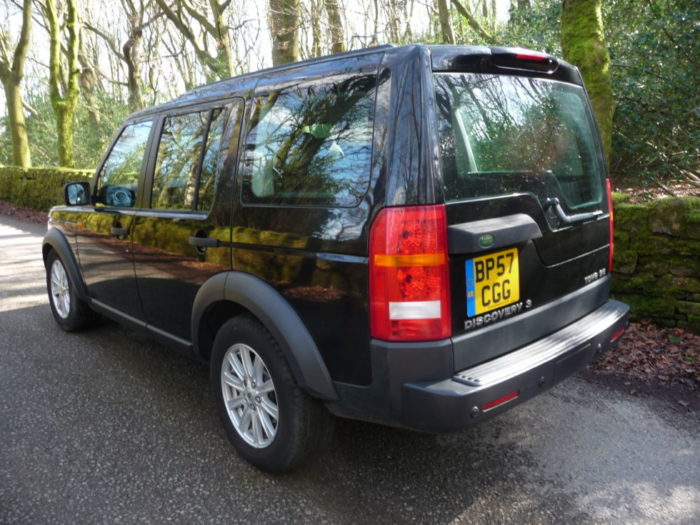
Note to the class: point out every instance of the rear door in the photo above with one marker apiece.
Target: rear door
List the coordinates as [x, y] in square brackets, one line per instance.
[182, 235]
[524, 184]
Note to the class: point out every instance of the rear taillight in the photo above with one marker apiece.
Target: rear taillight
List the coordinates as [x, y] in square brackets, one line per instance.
[408, 274]
[612, 238]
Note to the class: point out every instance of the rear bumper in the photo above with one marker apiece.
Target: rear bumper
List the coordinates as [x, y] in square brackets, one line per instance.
[454, 401]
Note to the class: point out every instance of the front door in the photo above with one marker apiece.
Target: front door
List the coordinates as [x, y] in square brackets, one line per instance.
[104, 232]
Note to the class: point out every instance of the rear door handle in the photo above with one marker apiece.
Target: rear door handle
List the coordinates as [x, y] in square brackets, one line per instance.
[488, 234]
[205, 242]
[118, 231]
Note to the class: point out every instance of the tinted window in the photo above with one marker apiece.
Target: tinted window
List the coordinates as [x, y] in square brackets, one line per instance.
[311, 144]
[210, 163]
[177, 163]
[178, 182]
[120, 173]
[504, 134]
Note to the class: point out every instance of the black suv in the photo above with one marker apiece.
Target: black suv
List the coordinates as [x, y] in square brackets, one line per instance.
[419, 236]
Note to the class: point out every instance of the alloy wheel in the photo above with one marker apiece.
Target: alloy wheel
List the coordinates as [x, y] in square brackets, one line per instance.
[249, 395]
[60, 289]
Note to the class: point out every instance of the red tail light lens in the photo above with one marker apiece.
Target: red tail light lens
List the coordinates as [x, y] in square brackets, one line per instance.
[608, 185]
[534, 57]
[408, 274]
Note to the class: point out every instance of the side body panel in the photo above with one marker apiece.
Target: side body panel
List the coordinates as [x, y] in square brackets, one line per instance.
[314, 256]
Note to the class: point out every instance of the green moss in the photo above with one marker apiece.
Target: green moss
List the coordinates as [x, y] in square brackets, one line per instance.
[671, 216]
[622, 239]
[692, 225]
[654, 266]
[648, 307]
[620, 198]
[583, 44]
[686, 307]
[683, 285]
[631, 218]
[38, 188]
[625, 261]
[620, 284]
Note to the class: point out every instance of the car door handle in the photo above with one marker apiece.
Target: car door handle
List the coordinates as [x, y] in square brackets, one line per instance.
[488, 234]
[118, 231]
[204, 242]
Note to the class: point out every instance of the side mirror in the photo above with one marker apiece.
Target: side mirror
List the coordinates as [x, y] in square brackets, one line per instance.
[76, 193]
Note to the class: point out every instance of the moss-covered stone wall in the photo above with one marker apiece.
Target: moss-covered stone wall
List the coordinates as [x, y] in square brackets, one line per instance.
[657, 260]
[38, 188]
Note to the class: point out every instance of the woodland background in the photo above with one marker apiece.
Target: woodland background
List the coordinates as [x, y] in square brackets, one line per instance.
[72, 70]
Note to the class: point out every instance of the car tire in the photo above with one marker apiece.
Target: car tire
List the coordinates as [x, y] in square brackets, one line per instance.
[270, 420]
[70, 312]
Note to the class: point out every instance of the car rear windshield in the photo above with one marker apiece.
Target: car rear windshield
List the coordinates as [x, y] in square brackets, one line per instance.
[504, 134]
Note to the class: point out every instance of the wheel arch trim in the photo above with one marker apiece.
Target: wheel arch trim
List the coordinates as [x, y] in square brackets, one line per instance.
[277, 315]
[56, 240]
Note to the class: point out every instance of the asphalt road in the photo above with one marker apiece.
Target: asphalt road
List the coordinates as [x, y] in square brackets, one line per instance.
[108, 427]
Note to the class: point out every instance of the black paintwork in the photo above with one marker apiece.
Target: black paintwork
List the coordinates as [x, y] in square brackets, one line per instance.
[303, 270]
[261, 300]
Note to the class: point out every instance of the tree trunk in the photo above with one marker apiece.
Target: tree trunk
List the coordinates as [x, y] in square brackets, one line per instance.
[88, 86]
[583, 44]
[18, 126]
[224, 49]
[473, 22]
[316, 9]
[284, 29]
[11, 74]
[448, 35]
[132, 57]
[216, 67]
[63, 105]
[335, 21]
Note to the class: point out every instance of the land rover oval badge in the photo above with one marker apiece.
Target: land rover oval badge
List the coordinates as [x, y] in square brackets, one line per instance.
[486, 240]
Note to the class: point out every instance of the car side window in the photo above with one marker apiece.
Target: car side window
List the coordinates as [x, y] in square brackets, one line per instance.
[210, 162]
[311, 144]
[119, 177]
[187, 142]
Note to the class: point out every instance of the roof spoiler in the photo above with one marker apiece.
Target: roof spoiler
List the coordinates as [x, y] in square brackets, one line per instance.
[502, 60]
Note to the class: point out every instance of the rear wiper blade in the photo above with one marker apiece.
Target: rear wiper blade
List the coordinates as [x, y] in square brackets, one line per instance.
[553, 202]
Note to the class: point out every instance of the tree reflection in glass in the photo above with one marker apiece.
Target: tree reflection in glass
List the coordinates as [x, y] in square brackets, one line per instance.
[311, 144]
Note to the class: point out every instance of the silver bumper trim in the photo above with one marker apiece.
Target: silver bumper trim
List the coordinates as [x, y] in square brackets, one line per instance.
[546, 349]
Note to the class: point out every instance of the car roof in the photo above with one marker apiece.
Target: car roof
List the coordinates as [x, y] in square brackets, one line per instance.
[441, 56]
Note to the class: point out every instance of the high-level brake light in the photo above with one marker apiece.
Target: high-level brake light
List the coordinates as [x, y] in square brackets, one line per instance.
[535, 57]
[408, 274]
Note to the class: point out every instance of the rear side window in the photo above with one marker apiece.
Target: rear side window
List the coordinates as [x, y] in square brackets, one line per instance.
[187, 142]
[311, 144]
[508, 134]
[120, 173]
